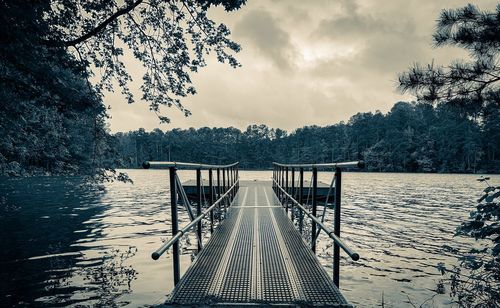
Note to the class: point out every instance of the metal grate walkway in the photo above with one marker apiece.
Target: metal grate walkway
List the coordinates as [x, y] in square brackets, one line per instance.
[256, 256]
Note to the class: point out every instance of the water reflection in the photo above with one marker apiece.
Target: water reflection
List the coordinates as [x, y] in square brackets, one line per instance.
[39, 219]
[42, 221]
[111, 278]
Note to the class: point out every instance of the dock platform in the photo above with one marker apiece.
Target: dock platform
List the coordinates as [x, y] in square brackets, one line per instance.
[256, 257]
[321, 193]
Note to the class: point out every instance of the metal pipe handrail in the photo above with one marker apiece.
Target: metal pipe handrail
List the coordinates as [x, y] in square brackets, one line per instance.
[156, 255]
[331, 234]
[350, 164]
[168, 164]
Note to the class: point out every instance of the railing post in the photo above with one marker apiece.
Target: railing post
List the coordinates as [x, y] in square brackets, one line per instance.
[224, 189]
[277, 175]
[301, 199]
[314, 204]
[229, 184]
[282, 183]
[277, 172]
[276, 179]
[274, 171]
[211, 185]
[287, 190]
[279, 183]
[234, 181]
[293, 192]
[198, 207]
[175, 223]
[218, 191]
[336, 226]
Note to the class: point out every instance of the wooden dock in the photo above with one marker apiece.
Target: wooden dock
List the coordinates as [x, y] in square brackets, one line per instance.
[256, 257]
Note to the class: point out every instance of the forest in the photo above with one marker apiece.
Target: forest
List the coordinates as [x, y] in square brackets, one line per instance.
[53, 118]
[411, 137]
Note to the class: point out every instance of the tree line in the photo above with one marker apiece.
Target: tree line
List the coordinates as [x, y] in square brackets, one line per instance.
[411, 137]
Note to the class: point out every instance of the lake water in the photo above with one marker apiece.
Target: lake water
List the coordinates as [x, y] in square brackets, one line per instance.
[63, 244]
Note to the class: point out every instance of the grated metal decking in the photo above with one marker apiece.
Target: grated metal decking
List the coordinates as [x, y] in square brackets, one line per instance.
[256, 256]
[191, 190]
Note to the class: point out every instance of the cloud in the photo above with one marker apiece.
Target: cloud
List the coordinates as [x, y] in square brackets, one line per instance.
[384, 44]
[262, 31]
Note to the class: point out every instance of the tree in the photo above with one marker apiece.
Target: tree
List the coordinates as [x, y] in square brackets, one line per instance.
[491, 136]
[471, 85]
[51, 121]
[52, 118]
[169, 38]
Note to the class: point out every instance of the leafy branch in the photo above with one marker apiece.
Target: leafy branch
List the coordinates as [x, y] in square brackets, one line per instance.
[160, 35]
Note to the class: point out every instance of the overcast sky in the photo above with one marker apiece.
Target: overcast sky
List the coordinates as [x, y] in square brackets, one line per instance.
[303, 63]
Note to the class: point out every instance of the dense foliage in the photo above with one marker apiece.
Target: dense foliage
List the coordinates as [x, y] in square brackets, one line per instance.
[411, 137]
[51, 120]
[52, 116]
[471, 86]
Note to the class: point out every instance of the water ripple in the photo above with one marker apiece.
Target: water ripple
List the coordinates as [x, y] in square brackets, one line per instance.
[65, 245]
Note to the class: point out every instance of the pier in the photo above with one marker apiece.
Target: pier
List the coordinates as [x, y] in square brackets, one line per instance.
[256, 255]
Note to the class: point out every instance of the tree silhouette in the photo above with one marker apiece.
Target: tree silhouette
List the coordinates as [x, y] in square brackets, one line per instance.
[169, 38]
[52, 117]
[471, 85]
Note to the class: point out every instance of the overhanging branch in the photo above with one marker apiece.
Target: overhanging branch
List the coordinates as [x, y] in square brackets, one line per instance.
[97, 29]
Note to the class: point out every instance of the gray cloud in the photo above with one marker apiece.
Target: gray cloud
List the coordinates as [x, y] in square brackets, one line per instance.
[262, 31]
[384, 44]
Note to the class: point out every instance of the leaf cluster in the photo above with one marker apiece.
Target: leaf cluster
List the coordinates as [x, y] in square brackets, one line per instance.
[52, 120]
[484, 220]
[169, 38]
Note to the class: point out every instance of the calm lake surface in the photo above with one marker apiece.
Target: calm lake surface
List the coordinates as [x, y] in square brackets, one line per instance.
[62, 244]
